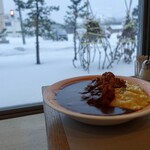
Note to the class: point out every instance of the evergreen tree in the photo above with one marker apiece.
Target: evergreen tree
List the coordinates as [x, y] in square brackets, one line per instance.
[76, 10]
[38, 21]
[135, 15]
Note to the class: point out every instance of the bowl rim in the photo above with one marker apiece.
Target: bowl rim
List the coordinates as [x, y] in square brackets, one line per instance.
[52, 89]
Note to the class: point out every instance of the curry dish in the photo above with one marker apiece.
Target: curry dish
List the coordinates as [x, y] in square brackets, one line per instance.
[103, 95]
[108, 90]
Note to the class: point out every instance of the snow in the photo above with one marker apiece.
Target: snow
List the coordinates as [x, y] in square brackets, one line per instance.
[22, 79]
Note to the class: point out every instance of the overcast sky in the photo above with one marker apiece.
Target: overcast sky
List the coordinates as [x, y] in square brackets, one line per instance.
[108, 8]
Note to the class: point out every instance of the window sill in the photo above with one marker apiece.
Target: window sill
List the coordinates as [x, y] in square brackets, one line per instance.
[23, 110]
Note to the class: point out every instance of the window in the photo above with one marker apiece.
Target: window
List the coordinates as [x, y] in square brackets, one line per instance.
[22, 79]
[7, 24]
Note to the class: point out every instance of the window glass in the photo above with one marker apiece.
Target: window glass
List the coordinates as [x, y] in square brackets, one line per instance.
[7, 23]
[103, 38]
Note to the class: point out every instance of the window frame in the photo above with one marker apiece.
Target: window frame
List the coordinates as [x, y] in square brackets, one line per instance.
[21, 110]
[144, 28]
[143, 49]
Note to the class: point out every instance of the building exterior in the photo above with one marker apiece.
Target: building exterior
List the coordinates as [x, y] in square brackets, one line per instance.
[10, 23]
[1, 16]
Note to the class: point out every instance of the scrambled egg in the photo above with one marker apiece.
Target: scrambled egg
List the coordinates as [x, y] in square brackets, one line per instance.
[132, 97]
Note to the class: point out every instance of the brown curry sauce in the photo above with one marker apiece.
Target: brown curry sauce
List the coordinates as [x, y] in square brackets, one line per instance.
[71, 97]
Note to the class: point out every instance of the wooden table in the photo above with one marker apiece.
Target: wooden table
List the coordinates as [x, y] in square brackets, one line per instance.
[64, 133]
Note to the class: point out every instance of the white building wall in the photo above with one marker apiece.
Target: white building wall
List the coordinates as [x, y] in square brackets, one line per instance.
[12, 24]
[1, 15]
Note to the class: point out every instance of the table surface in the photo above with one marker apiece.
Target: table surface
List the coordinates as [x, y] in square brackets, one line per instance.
[64, 133]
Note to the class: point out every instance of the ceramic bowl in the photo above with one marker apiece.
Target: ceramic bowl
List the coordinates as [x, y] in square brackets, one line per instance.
[51, 90]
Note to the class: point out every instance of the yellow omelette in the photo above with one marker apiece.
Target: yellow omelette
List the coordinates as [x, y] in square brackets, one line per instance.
[132, 97]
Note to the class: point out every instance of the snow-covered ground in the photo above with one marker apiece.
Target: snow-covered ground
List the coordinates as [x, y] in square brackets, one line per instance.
[21, 78]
